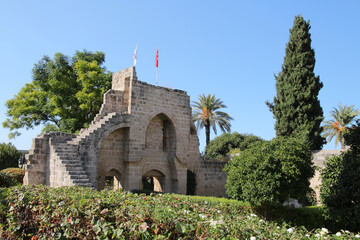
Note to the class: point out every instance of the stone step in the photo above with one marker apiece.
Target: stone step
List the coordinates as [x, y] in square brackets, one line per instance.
[81, 180]
[68, 152]
[92, 128]
[67, 156]
[80, 177]
[74, 168]
[77, 173]
[71, 162]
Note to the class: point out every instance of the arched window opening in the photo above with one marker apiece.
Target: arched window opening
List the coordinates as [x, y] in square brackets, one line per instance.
[113, 180]
[153, 181]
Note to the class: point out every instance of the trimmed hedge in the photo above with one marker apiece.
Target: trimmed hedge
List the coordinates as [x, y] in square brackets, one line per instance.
[16, 174]
[38, 212]
[6, 181]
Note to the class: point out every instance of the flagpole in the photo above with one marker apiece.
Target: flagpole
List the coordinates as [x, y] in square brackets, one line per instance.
[157, 73]
[157, 65]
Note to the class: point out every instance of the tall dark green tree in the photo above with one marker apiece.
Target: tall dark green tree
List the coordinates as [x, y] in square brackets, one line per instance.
[66, 93]
[296, 106]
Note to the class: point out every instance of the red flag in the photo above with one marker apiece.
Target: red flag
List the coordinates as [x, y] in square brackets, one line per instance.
[157, 58]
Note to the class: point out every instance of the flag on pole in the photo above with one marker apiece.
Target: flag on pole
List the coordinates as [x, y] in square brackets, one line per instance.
[157, 58]
[157, 65]
[135, 56]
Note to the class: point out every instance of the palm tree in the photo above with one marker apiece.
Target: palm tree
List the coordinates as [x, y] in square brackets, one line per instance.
[206, 114]
[336, 127]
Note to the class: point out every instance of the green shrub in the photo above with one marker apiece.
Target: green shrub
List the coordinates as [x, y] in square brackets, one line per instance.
[309, 217]
[221, 146]
[16, 174]
[352, 136]
[269, 172]
[9, 156]
[340, 192]
[38, 212]
[3, 206]
[6, 181]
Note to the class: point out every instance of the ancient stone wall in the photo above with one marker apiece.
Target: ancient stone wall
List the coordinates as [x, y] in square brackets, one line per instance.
[210, 176]
[143, 136]
[35, 168]
[113, 154]
[163, 116]
[42, 166]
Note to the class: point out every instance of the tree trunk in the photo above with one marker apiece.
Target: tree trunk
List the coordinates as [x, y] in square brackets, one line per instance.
[267, 212]
[342, 141]
[207, 132]
[342, 144]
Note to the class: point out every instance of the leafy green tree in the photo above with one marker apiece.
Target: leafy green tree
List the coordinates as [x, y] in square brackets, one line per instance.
[65, 92]
[206, 114]
[352, 136]
[221, 146]
[296, 107]
[340, 192]
[269, 172]
[9, 156]
[337, 126]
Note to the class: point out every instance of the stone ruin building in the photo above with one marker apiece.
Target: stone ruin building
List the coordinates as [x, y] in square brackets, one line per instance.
[142, 138]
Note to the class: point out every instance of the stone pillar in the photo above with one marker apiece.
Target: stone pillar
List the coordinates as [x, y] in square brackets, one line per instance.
[35, 168]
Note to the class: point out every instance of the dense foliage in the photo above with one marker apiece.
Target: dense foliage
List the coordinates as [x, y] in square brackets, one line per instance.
[206, 113]
[296, 107]
[7, 181]
[38, 212]
[340, 192]
[16, 174]
[352, 136]
[65, 92]
[9, 156]
[221, 146]
[269, 172]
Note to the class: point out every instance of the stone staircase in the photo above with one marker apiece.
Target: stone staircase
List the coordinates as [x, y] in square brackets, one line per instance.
[68, 152]
[70, 160]
[87, 132]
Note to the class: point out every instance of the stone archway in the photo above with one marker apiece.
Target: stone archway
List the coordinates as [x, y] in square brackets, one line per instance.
[160, 147]
[153, 181]
[111, 162]
[161, 134]
[113, 180]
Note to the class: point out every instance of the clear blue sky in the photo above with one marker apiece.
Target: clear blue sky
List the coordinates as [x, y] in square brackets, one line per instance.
[228, 48]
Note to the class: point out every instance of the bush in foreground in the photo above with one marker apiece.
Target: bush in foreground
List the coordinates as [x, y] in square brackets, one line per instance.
[16, 174]
[340, 192]
[6, 181]
[38, 212]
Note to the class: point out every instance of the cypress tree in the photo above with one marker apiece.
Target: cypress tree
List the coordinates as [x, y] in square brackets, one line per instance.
[296, 107]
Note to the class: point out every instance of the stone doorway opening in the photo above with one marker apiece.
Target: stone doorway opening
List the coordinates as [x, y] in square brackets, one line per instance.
[113, 180]
[153, 181]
